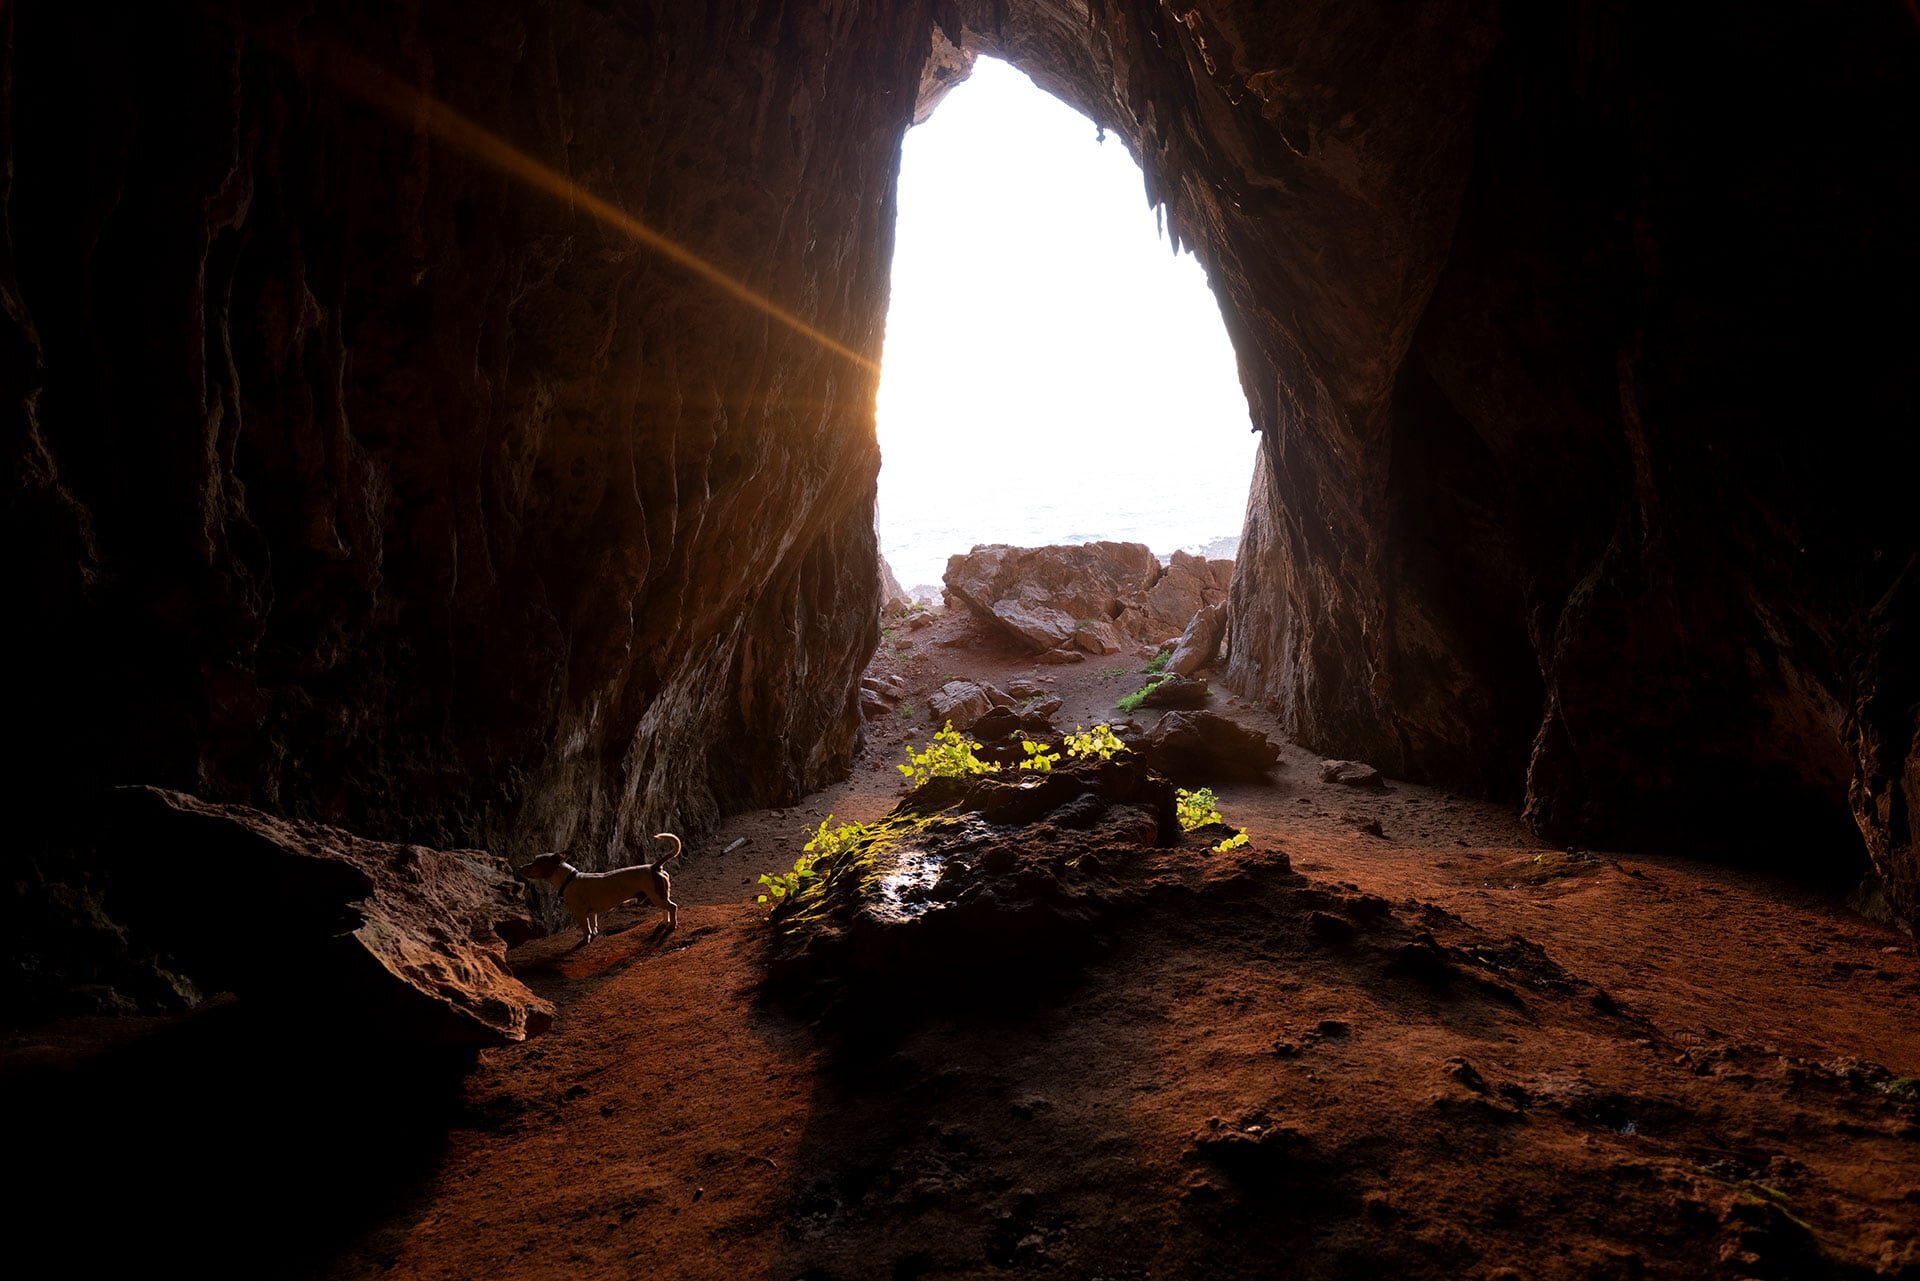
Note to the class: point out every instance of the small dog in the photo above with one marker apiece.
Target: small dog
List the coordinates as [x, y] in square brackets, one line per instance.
[588, 894]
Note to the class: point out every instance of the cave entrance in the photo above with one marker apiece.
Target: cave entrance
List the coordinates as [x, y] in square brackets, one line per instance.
[1052, 372]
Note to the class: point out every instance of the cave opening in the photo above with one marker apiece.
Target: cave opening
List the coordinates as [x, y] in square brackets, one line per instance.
[1052, 373]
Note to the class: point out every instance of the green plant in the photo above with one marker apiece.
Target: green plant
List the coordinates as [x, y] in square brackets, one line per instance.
[1110, 673]
[1099, 741]
[823, 848]
[1040, 757]
[904, 711]
[1196, 808]
[949, 755]
[1131, 701]
[1200, 807]
[886, 635]
[1158, 663]
[1904, 1087]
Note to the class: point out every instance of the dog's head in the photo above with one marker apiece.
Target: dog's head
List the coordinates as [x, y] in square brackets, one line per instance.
[542, 868]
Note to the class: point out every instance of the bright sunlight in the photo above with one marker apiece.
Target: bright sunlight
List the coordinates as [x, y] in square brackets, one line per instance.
[1052, 372]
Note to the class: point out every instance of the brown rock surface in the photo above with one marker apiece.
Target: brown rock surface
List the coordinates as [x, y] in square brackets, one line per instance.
[960, 703]
[1200, 643]
[1096, 597]
[367, 939]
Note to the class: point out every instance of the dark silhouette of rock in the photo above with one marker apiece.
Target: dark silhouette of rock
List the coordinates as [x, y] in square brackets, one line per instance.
[1177, 691]
[372, 939]
[1199, 748]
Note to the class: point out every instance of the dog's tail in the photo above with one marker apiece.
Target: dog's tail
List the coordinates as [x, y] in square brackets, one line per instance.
[677, 847]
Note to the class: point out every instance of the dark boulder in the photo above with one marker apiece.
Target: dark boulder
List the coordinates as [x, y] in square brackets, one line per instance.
[1177, 691]
[1204, 747]
[368, 939]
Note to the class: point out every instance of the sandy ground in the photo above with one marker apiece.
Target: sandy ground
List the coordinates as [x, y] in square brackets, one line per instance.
[1661, 1067]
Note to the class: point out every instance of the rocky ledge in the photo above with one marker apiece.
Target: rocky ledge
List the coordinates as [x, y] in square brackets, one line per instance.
[381, 940]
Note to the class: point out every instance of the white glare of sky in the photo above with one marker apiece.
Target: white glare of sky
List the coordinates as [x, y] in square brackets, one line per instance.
[1052, 371]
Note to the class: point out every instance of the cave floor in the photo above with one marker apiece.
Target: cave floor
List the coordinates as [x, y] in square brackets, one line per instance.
[1673, 1068]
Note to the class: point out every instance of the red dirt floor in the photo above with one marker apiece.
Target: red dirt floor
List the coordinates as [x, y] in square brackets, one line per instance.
[1657, 1066]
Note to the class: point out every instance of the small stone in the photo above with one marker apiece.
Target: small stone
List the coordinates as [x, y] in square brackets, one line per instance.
[1350, 774]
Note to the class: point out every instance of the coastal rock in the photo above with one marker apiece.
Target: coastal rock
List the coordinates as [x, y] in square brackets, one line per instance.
[893, 597]
[1187, 585]
[1096, 637]
[1200, 644]
[1098, 597]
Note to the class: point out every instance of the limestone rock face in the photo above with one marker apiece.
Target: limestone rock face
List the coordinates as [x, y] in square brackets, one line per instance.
[369, 939]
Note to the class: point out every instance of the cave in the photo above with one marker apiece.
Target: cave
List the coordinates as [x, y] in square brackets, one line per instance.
[444, 434]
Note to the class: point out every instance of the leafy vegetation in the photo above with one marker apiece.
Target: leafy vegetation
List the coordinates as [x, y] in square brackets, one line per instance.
[1099, 741]
[1199, 808]
[1132, 701]
[1112, 673]
[1158, 663]
[949, 755]
[825, 845]
[1040, 757]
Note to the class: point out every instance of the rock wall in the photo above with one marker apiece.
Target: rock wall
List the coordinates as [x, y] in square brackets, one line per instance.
[1589, 450]
[359, 475]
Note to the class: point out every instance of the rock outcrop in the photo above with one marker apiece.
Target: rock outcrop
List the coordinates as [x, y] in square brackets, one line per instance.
[367, 939]
[1200, 643]
[960, 703]
[1094, 597]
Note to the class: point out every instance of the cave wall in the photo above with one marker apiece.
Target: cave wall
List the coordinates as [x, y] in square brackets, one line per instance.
[1580, 339]
[357, 479]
